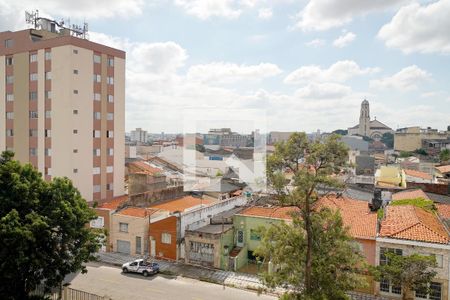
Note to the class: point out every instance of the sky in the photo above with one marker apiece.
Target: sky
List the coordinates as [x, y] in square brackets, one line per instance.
[290, 65]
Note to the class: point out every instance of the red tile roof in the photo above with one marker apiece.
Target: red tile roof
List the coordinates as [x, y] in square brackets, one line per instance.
[408, 222]
[142, 167]
[181, 204]
[444, 169]
[443, 210]
[275, 212]
[138, 212]
[410, 194]
[356, 215]
[418, 174]
[114, 203]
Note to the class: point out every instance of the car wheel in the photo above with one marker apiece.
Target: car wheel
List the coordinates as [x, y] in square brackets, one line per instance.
[125, 270]
[145, 273]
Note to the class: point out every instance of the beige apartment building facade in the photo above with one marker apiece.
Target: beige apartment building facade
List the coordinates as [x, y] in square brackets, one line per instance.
[62, 108]
[410, 138]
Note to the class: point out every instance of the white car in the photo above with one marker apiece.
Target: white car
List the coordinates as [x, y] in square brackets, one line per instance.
[141, 266]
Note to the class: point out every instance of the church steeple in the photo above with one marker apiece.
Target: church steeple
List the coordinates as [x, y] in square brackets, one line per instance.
[364, 119]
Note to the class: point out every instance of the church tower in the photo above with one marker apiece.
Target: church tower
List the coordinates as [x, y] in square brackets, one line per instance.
[364, 119]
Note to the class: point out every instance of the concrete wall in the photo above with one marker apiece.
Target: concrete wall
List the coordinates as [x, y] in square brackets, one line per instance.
[136, 227]
[156, 229]
[413, 141]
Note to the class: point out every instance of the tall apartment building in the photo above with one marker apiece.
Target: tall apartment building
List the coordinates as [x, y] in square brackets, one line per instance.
[62, 107]
[139, 136]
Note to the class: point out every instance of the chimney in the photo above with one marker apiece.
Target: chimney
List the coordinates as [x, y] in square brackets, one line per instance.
[377, 201]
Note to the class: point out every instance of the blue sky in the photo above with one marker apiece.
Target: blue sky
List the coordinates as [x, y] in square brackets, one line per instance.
[299, 65]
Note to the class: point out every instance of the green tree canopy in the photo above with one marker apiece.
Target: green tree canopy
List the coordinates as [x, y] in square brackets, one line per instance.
[312, 164]
[388, 139]
[412, 273]
[444, 155]
[43, 230]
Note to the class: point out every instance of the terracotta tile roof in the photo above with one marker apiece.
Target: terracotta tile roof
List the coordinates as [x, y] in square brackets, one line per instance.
[410, 194]
[408, 222]
[275, 212]
[356, 215]
[443, 210]
[114, 203]
[181, 204]
[141, 167]
[444, 169]
[138, 212]
[418, 174]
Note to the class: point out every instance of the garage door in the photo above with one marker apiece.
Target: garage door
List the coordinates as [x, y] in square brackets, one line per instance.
[123, 247]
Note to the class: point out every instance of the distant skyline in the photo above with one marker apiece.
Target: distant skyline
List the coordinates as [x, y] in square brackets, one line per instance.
[308, 64]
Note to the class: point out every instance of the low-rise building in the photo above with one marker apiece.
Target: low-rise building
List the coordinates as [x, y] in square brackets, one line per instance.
[390, 178]
[418, 176]
[410, 138]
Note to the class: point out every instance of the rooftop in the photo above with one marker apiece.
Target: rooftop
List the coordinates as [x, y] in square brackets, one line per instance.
[138, 212]
[114, 203]
[443, 210]
[275, 212]
[444, 169]
[418, 174]
[213, 229]
[410, 194]
[182, 204]
[408, 222]
[143, 167]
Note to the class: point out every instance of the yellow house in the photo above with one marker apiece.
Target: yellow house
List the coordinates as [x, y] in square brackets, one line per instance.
[390, 177]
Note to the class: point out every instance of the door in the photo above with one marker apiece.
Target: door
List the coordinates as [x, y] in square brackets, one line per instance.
[123, 247]
[152, 248]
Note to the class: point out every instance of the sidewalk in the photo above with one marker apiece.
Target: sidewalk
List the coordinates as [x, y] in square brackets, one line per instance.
[228, 278]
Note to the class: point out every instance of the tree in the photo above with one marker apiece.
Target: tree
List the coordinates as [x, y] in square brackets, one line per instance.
[444, 155]
[42, 230]
[388, 139]
[411, 272]
[312, 163]
[340, 132]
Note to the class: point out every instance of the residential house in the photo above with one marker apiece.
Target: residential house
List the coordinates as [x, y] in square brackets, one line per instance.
[390, 178]
[410, 194]
[418, 176]
[405, 230]
[410, 138]
[443, 171]
[143, 178]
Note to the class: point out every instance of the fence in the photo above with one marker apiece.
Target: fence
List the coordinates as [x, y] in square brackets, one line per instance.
[69, 294]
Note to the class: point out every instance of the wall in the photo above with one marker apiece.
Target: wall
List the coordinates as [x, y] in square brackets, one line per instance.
[441, 189]
[106, 214]
[119, 126]
[145, 199]
[136, 227]
[213, 239]
[369, 250]
[227, 239]
[141, 183]
[2, 103]
[167, 225]
[413, 141]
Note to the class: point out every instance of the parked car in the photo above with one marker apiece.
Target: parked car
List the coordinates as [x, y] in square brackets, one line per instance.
[141, 266]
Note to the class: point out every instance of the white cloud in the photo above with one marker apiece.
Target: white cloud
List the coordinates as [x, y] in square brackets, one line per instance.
[204, 9]
[417, 28]
[326, 14]
[221, 72]
[406, 79]
[340, 71]
[265, 13]
[316, 43]
[325, 90]
[344, 40]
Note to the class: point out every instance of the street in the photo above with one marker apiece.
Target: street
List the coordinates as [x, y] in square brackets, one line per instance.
[109, 281]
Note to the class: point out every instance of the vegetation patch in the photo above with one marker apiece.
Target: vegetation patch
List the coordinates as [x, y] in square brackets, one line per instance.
[418, 202]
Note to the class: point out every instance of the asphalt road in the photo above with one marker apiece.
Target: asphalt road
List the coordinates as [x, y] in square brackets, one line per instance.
[109, 281]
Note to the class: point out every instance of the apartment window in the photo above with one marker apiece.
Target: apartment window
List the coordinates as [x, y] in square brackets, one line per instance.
[48, 75]
[75, 111]
[48, 171]
[110, 98]
[33, 95]
[33, 151]
[110, 62]
[48, 55]
[33, 132]
[75, 51]
[96, 133]
[109, 169]
[97, 115]
[96, 170]
[47, 133]
[123, 227]
[97, 78]
[48, 114]
[75, 91]
[110, 80]
[9, 97]
[97, 188]
[48, 94]
[109, 134]
[138, 245]
[109, 186]
[75, 150]
[96, 152]
[9, 79]
[97, 58]
[110, 116]
[75, 72]
[33, 76]
[385, 286]
[75, 131]
[33, 114]
[10, 115]
[33, 57]
[110, 151]
[48, 152]
[75, 170]
[166, 238]
[9, 132]
[9, 43]
[96, 96]
[435, 292]
[383, 251]
[9, 61]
